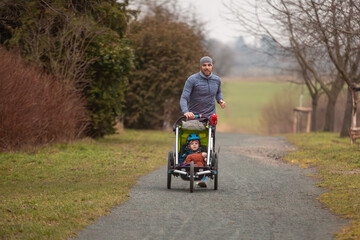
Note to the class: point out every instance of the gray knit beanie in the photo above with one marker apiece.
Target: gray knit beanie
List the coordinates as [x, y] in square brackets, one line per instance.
[205, 59]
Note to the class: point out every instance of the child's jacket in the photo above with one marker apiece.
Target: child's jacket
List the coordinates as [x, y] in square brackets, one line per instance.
[197, 158]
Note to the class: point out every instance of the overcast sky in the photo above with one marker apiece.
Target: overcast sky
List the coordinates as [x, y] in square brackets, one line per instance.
[213, 13]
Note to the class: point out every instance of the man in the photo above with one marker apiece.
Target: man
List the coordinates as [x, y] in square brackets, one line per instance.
[200, 92]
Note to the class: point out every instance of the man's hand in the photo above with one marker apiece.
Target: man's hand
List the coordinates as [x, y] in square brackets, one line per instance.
[222, 104]
[189, 115]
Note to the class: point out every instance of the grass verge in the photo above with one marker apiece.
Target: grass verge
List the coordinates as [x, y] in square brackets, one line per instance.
[338, 169]
[59, 189]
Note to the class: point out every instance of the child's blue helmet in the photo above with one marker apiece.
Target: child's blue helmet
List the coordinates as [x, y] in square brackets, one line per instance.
[192, 137]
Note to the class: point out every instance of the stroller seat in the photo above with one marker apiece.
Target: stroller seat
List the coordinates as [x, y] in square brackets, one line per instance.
[205, 130]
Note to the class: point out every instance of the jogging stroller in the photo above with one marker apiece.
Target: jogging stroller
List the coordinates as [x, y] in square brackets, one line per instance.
[205, 129]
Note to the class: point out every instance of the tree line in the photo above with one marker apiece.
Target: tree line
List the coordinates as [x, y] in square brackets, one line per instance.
[123, 67]
[321, 36]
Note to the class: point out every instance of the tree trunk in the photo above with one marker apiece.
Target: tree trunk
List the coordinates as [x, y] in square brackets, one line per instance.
[336, 88]
[314, 103]
[171, 112]
[167, 115]
[347, 116]
[330, 116]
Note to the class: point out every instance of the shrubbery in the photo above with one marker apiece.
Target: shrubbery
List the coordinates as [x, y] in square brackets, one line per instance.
[167, 51]
[277, 116]
[108, 79]
[86, 47]
[36, 108]
[77, 41]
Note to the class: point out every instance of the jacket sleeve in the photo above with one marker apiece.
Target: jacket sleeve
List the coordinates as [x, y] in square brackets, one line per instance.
[185, 96]
[219, 95]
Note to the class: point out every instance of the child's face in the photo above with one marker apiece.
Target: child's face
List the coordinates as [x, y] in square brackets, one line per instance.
[194, 145]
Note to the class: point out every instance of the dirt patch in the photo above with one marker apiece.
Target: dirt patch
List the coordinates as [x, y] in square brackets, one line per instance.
[264, 148]
[227, 128]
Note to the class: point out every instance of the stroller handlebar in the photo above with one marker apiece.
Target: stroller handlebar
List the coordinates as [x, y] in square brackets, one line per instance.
[184, 117]
[202, 116]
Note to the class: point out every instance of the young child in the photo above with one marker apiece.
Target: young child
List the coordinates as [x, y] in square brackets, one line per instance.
[193, 151]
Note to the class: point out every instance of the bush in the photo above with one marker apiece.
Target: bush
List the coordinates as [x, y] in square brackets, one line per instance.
[109, 76]
[277, 115]
[166, 53]
[35, 108]
[81, 41]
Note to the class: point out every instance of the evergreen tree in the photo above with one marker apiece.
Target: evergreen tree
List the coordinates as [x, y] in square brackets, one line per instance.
[166, 52]
[79, 41]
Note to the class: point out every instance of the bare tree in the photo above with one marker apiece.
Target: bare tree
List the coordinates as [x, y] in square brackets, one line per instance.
[62, 54]
[318, 32]
[338, 28]
[274, 19]
[333, 26]
[56, 40]
[223, 56]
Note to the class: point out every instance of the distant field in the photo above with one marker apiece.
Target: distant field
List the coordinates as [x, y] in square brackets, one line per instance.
[245, 99]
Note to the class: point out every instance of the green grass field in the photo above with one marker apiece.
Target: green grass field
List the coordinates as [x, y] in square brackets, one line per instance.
[245, 101]
[53, 192]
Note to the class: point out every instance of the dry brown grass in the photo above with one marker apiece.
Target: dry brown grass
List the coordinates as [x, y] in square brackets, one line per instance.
[277, 115]
[35, 108]
[279, 78]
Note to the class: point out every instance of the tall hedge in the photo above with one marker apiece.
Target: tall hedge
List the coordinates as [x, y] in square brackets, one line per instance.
[105, 93]
[166, 53]
[35, 108]
[78, 41]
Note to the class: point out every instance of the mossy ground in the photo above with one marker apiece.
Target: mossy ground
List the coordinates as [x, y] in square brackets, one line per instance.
[338, 169]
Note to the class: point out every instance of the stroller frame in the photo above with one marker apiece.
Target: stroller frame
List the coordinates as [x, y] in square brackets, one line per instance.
[193, 173]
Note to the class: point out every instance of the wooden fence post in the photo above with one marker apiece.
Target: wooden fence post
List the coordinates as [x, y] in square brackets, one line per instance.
[297, 112]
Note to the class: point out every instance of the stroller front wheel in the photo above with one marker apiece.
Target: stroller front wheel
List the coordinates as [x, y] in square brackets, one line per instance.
[191, 176]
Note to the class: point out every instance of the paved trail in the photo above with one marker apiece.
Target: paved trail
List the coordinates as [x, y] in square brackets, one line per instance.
[259, 197]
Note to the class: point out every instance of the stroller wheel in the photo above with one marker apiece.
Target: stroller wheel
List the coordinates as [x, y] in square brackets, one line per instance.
[216, 179]
[191, 176]
[170, 166]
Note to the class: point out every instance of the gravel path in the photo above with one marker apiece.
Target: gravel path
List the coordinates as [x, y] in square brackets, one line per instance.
[259, 197]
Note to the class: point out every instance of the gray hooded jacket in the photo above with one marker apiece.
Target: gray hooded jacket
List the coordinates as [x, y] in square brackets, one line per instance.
[200, 93]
